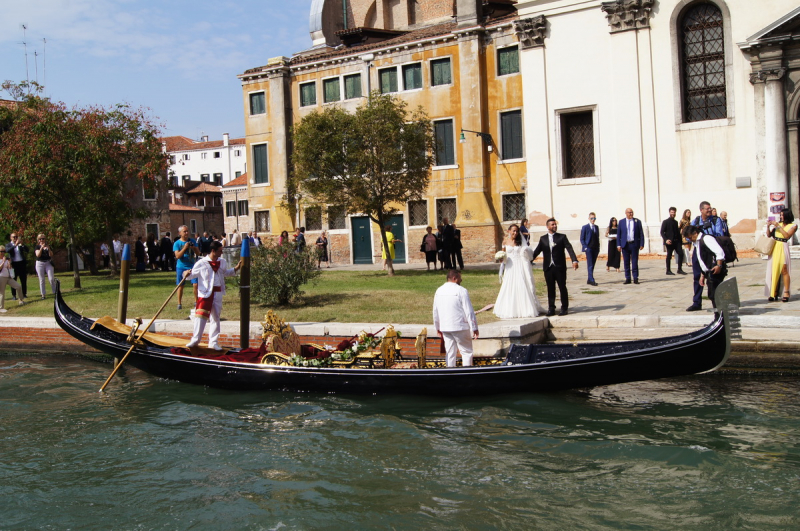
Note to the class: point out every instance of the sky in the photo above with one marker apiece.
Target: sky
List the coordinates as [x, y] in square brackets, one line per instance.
[178, 58]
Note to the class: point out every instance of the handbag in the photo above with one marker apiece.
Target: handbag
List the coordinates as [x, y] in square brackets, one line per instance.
[422, 248]
[764, 244]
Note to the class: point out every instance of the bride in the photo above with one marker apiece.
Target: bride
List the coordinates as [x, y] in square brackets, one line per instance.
[517, 297]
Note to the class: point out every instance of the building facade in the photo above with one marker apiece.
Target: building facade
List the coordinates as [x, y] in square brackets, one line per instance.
[212, 161]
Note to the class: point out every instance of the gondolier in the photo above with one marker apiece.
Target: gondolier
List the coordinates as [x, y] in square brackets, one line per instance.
[210, 272]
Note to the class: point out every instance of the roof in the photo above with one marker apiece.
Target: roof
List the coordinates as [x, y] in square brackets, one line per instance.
[204, 187]
[8, 103]
[181, 143]
[173, 207]
[239, 181]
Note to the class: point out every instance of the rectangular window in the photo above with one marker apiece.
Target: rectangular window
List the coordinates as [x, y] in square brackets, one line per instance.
[445, 143]
[257, 103]
[507, 61]
[186, 179]
[352, 86]
[172, 159]
[440, 72]
[262, 221]
[260, 171]
[511, 135]
[237, 174]
[230, 209]
[418, 213]
[513, 207]
[149, 191]
[242, 207]
[330, 89]
[152, 228]
[203, 155]
[412, 76]
[185, 156]
[192, 227]
[216, 155]
[337, 218]
[204, 177]
[313, 218]
[237, 152]
[445, 208]
[577, 144]
[388, 79]
[217, 179]
[308, 94]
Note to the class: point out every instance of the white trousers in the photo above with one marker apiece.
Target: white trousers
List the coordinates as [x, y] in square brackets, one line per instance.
[200, 325]
[454, 342]
[14, 285]
[45, 269]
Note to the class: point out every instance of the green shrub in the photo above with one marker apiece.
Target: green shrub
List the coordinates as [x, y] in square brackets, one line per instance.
[277, 272]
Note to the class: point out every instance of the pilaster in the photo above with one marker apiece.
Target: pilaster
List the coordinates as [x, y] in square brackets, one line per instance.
[625, 15]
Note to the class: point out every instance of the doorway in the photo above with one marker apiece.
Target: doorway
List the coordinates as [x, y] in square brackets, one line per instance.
[362, 240]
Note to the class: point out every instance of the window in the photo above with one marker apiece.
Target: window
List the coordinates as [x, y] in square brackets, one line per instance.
[242, 207]
[417, 213]
[203, 155]
[507, 61]
[330, 90]
[193, 227]
[186, 179]
[230, 209]
[511, 135]
[445, 208]
[204, 177]
[217, 178]
[262, 221]
[412, 76]
[513, 207]
[388, 79]
[308, 94]
[352, 86]
[313, 218]
[440, 72]
[237, 152]
[257, 103]
[185, 156]
[237, 174]
[149, 191]
[261, 174]
[703, 63]
[337, 218]
[172, 159]
[577, 144]
[445, 143]
[152, 228]
[216, 154]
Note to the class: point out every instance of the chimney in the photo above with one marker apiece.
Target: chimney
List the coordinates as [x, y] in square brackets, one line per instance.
[226, 139]
[204, 138]
[469, 13]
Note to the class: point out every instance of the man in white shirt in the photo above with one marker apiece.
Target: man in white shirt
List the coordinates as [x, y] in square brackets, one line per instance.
[454, 319]
[710, 257]
[117, 249]
[211, 271]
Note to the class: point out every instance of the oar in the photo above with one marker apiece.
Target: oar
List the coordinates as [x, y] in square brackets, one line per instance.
[487, 307]
[142, 334]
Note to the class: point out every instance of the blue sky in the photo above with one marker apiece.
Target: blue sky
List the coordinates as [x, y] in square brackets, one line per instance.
[178, 58]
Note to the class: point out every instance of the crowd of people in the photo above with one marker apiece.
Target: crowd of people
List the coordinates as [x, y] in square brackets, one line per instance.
[442, 248]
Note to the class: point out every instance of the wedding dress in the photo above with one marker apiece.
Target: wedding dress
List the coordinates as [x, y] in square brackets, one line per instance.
[517, 297]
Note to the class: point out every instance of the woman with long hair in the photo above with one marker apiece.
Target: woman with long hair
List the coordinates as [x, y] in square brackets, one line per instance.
[613, 252]
[687, 244]
[779, 265]
[517, 297]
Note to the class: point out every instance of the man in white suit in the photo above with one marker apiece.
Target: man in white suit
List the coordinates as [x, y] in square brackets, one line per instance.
[454, 319]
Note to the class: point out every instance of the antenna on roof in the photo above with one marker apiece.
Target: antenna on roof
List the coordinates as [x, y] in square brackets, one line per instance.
[44, 61]
[25, 45]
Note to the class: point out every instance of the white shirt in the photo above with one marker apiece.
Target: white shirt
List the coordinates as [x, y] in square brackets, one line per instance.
[552, 244]
[712, 246]
[117, 246]
[16, 255]
[629, 224]
[208, 278]
[104, 249]
[452, 309]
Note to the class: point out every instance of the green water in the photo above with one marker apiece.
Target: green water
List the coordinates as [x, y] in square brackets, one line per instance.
[694, 453]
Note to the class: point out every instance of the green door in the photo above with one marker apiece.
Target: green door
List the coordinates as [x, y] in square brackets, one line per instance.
[362, 242]
[396, 223]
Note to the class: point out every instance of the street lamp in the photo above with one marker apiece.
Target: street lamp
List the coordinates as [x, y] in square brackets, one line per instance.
[486, 137]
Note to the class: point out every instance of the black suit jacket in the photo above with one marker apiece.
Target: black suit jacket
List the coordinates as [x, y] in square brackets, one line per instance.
[669, 231]
[448, 237]
[560, 245]
[23, 250]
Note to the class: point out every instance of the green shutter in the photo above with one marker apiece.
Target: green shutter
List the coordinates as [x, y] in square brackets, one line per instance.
[508, 61]
[511, 130]
[412, 77]
[388, 80]
[260, 164]
[308, 94]
[257, 103]
[331, 89]
[352, 86]
[445, 145]
[441, 72]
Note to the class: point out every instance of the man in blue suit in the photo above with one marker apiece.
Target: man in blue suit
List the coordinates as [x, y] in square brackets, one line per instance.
[590, 244]
[630, 240]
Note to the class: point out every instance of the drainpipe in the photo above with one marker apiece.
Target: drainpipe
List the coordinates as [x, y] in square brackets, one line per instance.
[344, 13]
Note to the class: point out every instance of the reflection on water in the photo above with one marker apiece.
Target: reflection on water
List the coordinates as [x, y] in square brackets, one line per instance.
[713, 452]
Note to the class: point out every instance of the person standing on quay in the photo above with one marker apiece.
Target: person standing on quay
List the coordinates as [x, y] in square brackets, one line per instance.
[184, 250]
[710, 258]
[17, 253]
[553, 246]
[672, 241]
[630, 240]
[5, 278]
[590, 244]
[455, 256]
[168, 258]
[710, 226]
[613, 252]
[448, 241]
[454, 319]
[44, 264]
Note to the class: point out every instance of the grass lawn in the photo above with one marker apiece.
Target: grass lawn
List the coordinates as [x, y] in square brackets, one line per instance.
[337, 296]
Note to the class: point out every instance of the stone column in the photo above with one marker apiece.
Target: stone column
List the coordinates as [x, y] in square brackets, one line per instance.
[775, 159]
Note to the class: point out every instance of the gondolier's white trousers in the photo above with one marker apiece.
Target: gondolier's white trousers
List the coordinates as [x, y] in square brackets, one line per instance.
[200, 325]
[455, 342]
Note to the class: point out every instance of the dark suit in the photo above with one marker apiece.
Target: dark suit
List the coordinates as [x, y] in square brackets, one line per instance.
[669, 231]
[448, 243]
[555, 267]
[630, 248]
[169, 257]
[590, 244]
[20, 267]
[455, 253]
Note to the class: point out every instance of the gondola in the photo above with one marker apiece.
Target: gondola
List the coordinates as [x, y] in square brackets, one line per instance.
[525, 368]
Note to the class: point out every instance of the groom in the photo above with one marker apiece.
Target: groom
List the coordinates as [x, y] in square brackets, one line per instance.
[552, 246]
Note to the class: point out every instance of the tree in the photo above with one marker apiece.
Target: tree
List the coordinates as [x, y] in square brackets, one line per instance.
[73, 172]
[278, 271]
[367, 162]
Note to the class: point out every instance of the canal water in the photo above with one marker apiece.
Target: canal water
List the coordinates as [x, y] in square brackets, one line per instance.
[706, 452]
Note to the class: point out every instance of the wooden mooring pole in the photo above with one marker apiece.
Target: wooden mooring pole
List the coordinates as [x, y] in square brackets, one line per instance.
[124, 280]
[244, 295]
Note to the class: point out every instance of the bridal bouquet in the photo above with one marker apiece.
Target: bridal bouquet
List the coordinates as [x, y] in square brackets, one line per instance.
[499, 256]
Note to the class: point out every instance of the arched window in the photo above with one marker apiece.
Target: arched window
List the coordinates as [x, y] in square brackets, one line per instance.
[703, 63]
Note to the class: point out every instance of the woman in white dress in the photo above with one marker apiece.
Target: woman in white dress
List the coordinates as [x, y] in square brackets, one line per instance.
[517, 297]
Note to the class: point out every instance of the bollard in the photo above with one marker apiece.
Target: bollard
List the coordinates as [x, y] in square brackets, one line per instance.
[244, 295]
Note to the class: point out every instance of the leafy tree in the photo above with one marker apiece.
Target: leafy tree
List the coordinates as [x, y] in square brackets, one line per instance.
[74, 172]
[277, 272]
[367, 162]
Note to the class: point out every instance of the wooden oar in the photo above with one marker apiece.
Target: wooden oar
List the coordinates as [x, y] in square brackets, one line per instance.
[145, 329]
[487, 307]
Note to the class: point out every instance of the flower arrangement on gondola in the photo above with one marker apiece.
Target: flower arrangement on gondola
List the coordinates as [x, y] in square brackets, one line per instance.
[346, 350]
[499, 256]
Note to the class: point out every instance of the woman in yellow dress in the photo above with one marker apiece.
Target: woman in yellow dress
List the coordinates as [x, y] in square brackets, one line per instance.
[779, 266]
[390, 239]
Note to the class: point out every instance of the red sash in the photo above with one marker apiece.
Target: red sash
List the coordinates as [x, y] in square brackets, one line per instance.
[204, 304]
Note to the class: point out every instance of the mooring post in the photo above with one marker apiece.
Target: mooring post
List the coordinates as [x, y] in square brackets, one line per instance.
[124, 279]
[244, 295]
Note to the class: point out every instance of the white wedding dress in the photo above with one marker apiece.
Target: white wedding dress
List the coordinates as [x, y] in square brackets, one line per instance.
[517, 297]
